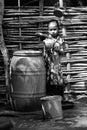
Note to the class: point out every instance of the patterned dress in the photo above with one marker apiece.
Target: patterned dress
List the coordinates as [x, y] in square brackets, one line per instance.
[53, 51]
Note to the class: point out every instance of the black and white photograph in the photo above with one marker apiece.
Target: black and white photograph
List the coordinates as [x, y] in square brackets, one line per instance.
[43, 65]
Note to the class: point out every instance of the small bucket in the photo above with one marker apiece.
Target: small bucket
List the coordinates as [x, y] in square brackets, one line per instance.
[52, 107]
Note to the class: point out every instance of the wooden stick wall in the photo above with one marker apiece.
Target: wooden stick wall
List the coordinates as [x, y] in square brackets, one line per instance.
[76, 38]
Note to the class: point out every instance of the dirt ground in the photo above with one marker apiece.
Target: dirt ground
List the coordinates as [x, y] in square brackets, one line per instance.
[74, 118]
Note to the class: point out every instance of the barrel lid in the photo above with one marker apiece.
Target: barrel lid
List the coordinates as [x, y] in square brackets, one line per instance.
[27, 52]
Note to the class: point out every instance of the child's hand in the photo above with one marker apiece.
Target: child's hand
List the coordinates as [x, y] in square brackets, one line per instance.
[59, 47]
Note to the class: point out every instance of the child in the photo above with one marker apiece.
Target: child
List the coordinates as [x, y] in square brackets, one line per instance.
[53, 51]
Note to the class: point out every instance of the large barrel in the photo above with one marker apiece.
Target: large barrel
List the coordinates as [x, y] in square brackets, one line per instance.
[28, 80]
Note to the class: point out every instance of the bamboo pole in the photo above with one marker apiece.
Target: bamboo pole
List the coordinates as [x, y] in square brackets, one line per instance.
[61, 3]
[41, 14]
[2, 44]
[67, 54]
[20, 47]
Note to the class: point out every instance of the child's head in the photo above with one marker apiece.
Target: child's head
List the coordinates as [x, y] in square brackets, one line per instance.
[53, 28]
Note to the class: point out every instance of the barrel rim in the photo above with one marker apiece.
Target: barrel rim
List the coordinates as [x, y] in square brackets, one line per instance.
[27, 52]
[51, 97]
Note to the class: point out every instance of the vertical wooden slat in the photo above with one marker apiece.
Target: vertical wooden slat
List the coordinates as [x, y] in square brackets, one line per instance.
[20, 46]
[19, 3]
[61, 3]
[2, 44]
[67, 54]
[41, 4]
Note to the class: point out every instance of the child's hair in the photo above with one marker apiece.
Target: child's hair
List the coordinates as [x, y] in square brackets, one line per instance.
[54, 20]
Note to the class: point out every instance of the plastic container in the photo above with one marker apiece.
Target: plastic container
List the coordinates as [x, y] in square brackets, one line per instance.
[52, 107]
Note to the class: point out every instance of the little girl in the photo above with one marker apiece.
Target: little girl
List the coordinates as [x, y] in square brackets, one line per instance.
[54, 48]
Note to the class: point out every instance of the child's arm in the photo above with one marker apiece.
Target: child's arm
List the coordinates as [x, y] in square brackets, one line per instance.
[60, 46]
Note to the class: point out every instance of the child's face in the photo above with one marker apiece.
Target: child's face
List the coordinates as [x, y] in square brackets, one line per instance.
[53, 29]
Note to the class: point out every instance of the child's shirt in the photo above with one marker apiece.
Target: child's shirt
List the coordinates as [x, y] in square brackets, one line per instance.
[53, 50]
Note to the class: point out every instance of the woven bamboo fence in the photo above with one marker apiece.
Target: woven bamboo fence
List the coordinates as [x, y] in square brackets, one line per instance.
[20, 26]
